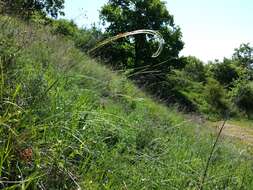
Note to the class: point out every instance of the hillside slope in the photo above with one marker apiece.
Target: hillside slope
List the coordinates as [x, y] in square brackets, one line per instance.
[67, 122]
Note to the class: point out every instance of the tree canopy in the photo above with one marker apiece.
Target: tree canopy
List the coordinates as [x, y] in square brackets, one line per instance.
[244, 55]
[121, 16]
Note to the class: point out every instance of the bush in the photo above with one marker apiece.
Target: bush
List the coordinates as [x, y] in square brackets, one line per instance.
[225, 72]
[87, 38]
[215, 95]
[65, 27]
[242, 96]
[178, 87]
[84, 39]
[195, 69]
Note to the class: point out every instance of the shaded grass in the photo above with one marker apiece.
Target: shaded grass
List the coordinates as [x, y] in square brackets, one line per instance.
[89, 128]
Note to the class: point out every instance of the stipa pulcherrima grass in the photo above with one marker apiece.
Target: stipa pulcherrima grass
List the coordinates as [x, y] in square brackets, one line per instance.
[202, 183]
[143, 137]
[132, 33]
[90, 131]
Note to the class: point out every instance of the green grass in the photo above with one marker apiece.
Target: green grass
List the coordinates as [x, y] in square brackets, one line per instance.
[90, 128]
[242, 122]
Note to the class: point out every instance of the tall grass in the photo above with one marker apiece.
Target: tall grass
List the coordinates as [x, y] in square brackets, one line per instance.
[68, 122]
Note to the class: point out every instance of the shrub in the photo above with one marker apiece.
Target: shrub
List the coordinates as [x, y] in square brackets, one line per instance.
[195, 69]
[225, 72]
[87, 38]
[65, 27]
[215, 96]
[84, 39]
[242, 96]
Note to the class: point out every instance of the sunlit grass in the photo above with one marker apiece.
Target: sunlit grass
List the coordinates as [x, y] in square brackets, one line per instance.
[94, 129]
[242, 123]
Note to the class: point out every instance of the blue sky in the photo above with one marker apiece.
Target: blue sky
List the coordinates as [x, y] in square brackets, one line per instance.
[211, 28]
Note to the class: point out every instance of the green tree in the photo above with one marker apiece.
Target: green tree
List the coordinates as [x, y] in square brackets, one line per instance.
[225, 72]
[26, 8]
[84, 39]
[87, 38]
[244, 55]
[65, 27]
[127, 15]
[242, 96]
[195, 69]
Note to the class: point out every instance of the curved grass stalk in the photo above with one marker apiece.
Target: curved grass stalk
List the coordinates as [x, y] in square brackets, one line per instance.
[135, 32]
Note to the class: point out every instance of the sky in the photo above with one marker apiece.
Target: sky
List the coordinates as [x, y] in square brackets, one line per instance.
[211, 29]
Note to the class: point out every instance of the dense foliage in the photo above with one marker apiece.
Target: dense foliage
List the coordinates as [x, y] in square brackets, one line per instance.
[225, 72]
[84, 39]
[26, 8]
[244, 55]
[242, 96]
[135, 52]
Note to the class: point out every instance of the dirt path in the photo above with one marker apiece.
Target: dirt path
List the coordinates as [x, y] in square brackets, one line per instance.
[243, 134]
[242, 131]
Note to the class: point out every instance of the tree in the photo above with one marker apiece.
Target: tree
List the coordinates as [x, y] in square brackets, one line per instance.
[244, 55]
[242, 96]
[65, 27]
[244, 58]
[84, 39]
[26, 8]
[195, 69]
[128, 15]
[225, 72]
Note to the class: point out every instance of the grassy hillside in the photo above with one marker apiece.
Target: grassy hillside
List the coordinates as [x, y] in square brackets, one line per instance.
[67, 122]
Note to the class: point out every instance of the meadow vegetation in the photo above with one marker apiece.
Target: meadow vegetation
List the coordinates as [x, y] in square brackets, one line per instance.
[68, 121]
